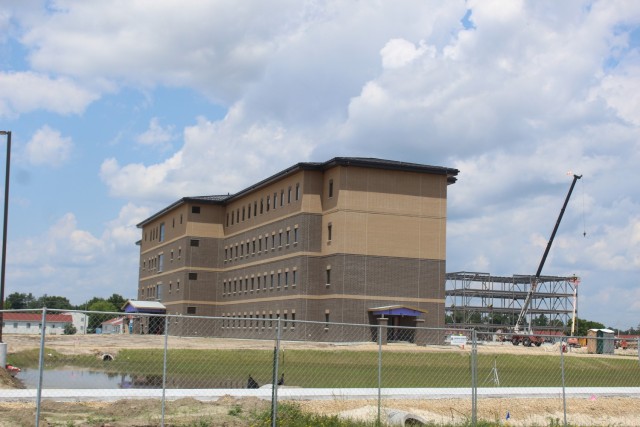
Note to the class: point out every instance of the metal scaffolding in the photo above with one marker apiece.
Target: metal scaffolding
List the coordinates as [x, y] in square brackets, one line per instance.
[492, 303]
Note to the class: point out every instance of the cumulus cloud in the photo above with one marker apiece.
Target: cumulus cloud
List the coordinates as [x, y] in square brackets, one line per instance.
[24, 92]
[67, 260]
[157, 135]
[48, 147]
[208, 161]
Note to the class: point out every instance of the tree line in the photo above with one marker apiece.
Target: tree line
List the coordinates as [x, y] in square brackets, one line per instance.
[20, 301]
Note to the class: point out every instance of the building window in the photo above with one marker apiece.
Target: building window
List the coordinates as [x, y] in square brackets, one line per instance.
[232, 218]
[249, 211]
[253, 247]
[160, 263]
[275, 200]
[179, 253]
[329, 231]
[162, 232]
[252, 283]
[259, 244]
[297, 192]
[227, 219]
[261, 206]
[195, 243]
[294, 277]
[280, 239]
[193, 276]
[326, 319]
[271, 285]
[286, 279]
[273, 241]
[178, 286]
[330, 188]
[258, 288]
[285, 319]
[238, 216]
[279, 277]
[268, 203]
[295, 235]
[281, 197]
[171, 255]
[243, 211]
[191, 310]
[289, 195]
[195, 209]
[328, 276]
[288, 236]
[255, 208]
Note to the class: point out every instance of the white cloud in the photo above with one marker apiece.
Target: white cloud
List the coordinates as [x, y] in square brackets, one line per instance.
[48, 147]
[209, 161]
[24, 92]
[156, 135]
[69, 261]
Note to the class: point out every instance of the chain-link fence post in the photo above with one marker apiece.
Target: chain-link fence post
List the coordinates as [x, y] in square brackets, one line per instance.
[164, 365]
[41, 364]
[563, 346]
[474, 377]
[274, 385]
[379, 373]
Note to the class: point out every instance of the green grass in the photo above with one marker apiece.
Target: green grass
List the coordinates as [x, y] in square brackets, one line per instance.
[344, 368]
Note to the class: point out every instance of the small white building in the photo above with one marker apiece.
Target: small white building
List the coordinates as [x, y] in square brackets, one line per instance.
[31, 323]
[114, 326]
[80, 321]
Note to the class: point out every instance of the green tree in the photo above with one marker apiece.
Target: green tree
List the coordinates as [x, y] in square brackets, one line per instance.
[69, 329]
[19, 301]
[95, 320]
[52, 301]
[541, 320]
[583, 326]
[117, 300]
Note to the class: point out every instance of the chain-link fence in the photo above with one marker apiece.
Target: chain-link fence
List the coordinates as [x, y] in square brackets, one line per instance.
[82, 355]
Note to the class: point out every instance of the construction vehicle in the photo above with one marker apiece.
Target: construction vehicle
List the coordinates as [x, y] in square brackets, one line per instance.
[526, 337]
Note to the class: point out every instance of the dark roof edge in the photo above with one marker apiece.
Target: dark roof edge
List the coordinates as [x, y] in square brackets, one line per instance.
[364, 162]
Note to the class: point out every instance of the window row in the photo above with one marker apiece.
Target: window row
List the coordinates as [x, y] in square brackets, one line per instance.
[158, 232]
[260, 244]
[157, 263]
[258, 320]
[280, 279]
[292, 194]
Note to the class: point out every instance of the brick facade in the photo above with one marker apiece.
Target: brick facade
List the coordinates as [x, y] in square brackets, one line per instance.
[375, 230]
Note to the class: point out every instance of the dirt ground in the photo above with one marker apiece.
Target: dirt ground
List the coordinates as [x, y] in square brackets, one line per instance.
[229, 411]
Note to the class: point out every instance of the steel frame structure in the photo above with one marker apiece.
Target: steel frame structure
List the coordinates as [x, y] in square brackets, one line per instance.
[492, 303]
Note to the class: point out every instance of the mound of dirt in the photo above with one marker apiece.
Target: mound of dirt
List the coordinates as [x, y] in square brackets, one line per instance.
[8, 381]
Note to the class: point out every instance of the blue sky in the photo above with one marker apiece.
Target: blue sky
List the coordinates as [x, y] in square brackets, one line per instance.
[121, 107]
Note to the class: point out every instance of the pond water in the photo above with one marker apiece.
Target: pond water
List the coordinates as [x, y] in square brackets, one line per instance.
[74, 378]
[71, 377]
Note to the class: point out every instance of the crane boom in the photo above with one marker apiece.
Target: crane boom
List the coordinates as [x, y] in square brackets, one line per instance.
[534, 284]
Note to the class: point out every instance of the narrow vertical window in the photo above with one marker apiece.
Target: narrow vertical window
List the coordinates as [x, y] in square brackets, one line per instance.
[261, 206]
[329, 231]
[227, 219]
[330, 188]
[295, 235]
[162, 232]
[249, 211]
[289, 194]
[288, 237]
[294, 277]
[326, 319]
[268, 202]
[275, 200]
[297, 192]
[328, 276]
[243, 211]
[281, 197]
